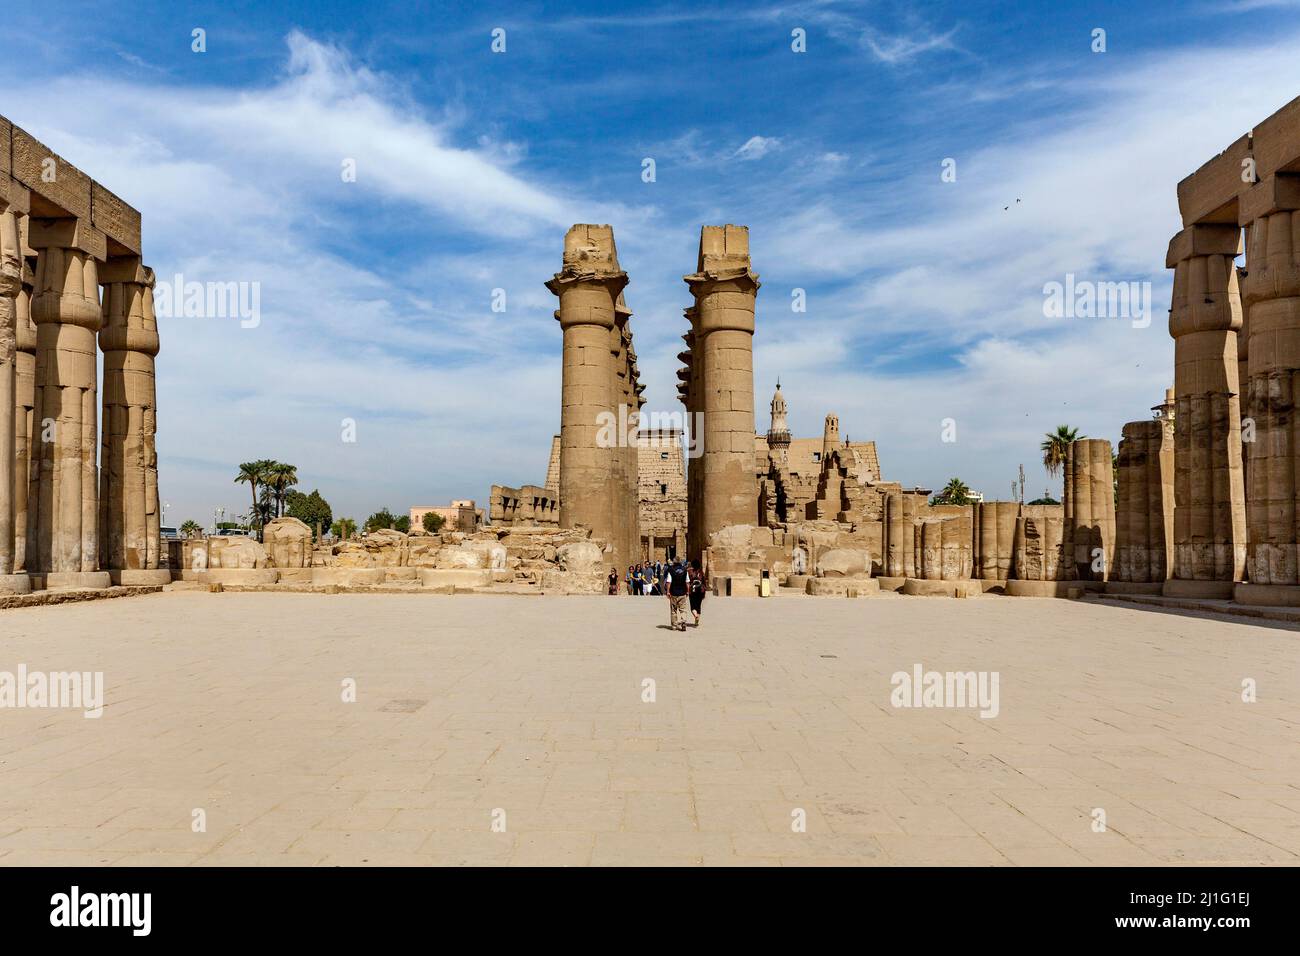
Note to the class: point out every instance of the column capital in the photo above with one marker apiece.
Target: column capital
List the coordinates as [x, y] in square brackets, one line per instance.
[11, 259]
[75, 234]
[125, 269]
[1279, 192]
[17, 196]
[738, 278]
[1204, 240]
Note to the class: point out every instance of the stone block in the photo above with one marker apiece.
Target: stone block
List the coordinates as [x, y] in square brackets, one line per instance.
[1267, 595]
[1189, 588]
[918, 587]
[1275, 142]
[1039, 589]
[455, 577]
[348, 577]
[1209, 193]
[244, 577]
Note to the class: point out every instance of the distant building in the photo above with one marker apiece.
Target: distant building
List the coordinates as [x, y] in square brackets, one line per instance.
[460, 515]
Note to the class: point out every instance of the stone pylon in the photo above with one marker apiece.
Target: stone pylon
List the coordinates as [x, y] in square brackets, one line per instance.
[724, 288]
[130, 543]
[11, 275]
[1089, 510]
[62, 507]
[589, 285]
[1272, 297]
[1144, 514]
[1209, 491]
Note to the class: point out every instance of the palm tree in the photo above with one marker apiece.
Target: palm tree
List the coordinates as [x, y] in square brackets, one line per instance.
[955, 492]
[251, 472]
[256, 473]
[281, 478]
[191, 528]
[1054, 446]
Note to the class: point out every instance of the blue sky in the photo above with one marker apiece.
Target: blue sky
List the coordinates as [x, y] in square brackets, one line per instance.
[924, 297]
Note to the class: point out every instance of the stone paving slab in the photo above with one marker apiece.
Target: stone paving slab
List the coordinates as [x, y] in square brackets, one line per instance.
[769, 739]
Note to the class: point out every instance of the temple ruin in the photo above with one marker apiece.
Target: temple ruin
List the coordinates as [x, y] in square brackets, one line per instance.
[79, 505]
[1197, 501]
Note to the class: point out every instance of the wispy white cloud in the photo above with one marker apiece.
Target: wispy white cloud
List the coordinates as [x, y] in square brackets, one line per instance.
[756, 147]
[904, 47]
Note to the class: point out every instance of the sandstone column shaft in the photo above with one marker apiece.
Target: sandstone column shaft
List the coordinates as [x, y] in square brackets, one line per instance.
[588, 286]
[1144, 514]
[1089, 509]
[1209, 490]
[24, 433]
[11, 275]
[1272, 296]
[62, 513]
[724, 288]
[129, 507]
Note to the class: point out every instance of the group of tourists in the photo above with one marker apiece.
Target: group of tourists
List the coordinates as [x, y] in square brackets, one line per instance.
[679, 580]
[642, 579]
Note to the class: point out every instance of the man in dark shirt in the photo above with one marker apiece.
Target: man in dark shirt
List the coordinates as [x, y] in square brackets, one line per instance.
[677, 588]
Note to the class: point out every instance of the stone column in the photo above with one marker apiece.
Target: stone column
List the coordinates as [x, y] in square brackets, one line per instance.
[11, 283]
[636, 401]
[617, 489]
[24, 433]
[724, 288]
[1039, 550]
[1089, 508]
[62, 508]
[1144, 515]
[129, 544]
[688, 388]
[899, 529]
[588, 286]
[1271, 208]
[994, 538]
[1209, 493]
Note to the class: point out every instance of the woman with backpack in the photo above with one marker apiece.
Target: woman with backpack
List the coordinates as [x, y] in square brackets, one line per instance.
[696, 592]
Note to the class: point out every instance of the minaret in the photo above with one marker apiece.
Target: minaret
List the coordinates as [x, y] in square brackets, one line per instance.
[778, 435]
[831, 436]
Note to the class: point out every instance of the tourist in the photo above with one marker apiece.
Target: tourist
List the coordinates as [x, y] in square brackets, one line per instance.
[696, 592]
[613, 580]
[638, 581]
[677, 588]
[630, 588]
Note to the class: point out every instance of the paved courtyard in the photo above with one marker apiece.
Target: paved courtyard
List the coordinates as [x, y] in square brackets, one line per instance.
[533, 716]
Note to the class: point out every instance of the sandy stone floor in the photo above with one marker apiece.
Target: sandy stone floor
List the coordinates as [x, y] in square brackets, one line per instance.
[529, 712]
